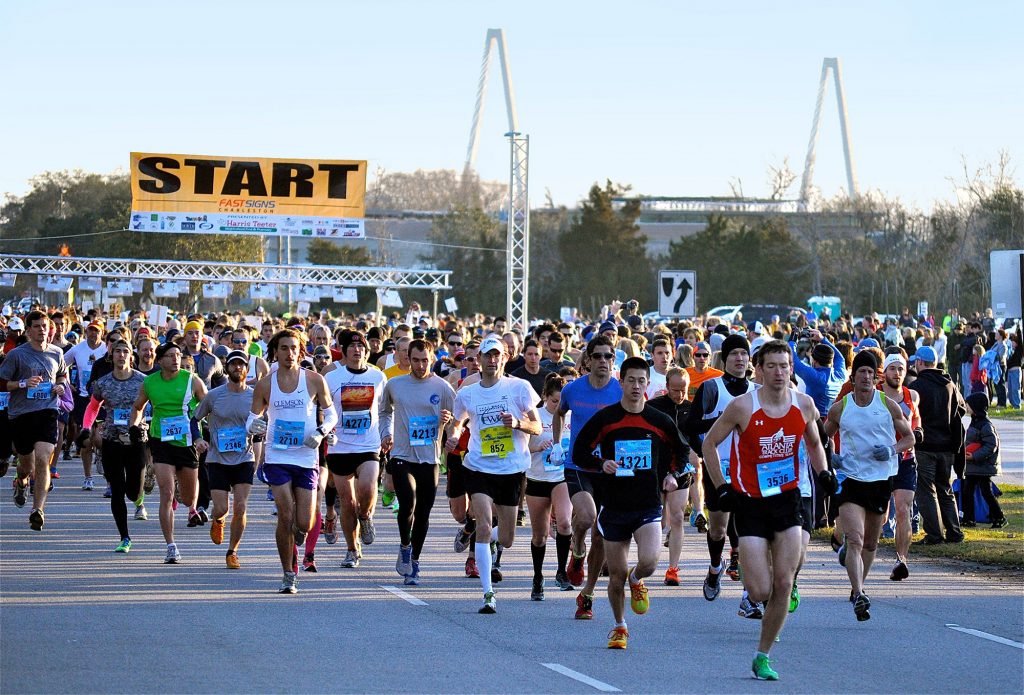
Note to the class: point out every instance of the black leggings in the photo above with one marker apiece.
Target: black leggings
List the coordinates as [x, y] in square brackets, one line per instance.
[123, 467]
[983, 483]
[416, 488]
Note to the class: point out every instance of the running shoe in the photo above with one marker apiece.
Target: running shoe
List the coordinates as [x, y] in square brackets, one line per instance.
[537, 594]
[299, 536]
[403, 565]
[289, 584]
[87, 484]
[173, 557]
[750, 609]
[462, 538]
[124, 546]
[835, 542]
[150, 480]
[1000, 522]
[672, 576]
[387, 498]
[496, 575]
[762, 668]
[968, 524]
[668, 537]
[584, 607]
[36, 520]
[141, 514]
[20, 494]
[862, 607]
[563, 581]
[330, 530]
[712, 584]
[617, 638]
[366, 531]
[270, 495]
[574, 572]
[900, 571]
[203, 516]
[67, 455]
[521, 518]
[193, 520]
[472, 571]
[217, 531]
[701, 522]
[733, 570]
[351, 559]
[231, 560]
[490, 604]
[842, 555]
[639, 600]
[794, 598]
[413, 578]
[308, 563]
[54, 474]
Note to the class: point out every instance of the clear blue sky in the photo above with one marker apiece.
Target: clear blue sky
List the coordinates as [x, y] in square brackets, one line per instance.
[673, 98]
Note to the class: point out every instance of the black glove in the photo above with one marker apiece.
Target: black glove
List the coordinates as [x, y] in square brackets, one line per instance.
[726, 497]
[684, 480]
[918, 436]
[827, 482]
[135, 434]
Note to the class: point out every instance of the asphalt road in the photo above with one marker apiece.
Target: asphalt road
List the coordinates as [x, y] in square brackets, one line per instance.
[1011, 441]
[75, 617]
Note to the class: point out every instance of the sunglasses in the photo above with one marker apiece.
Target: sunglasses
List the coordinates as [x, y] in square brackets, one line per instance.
[555, 352]
[455, 344]
[602, 356]
[701, 354]
[243, 341]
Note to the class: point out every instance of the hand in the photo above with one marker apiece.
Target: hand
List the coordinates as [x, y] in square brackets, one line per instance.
[670, 483]
[557, 455]
[257, 426]
[827, 482]
[815, 335]
[509, 420]
[313, 439]
[883, 452]
[610, 466]
[726, 497]
[546, 444]
[332, 439]
[135, 434]
[33, 381]
[452, 443]
[202, 446]
[58, 390]
[446, 417]
[386, 442]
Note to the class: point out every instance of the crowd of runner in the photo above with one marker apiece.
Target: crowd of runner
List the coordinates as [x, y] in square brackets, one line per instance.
[600, 435]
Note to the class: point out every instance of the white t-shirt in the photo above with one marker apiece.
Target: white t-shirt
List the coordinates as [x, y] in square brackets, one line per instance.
[82, 358]
[540, 467]
[357, 400]
[658, 384]
[494, 448]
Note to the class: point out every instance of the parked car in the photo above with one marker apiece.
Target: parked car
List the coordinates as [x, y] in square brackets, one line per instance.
[764, 313]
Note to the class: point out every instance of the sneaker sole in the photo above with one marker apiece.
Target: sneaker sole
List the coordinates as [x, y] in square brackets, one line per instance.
[36, 522]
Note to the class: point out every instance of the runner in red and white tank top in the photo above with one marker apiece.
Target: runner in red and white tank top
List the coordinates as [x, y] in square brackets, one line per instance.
[764, 458]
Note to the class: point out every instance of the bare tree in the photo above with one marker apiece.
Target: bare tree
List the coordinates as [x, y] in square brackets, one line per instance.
[780, 178]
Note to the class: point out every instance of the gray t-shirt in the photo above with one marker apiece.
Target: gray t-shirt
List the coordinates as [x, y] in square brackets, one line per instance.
[25, 361]
[118, 397]
[414, 407]
[226, 412]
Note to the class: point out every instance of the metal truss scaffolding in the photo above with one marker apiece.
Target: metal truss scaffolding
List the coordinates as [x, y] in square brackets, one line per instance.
[518, 233]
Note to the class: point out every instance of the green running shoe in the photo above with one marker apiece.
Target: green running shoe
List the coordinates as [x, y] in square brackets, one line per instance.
[386, 498]
[124, 546]
[762, 668]
[794, 598]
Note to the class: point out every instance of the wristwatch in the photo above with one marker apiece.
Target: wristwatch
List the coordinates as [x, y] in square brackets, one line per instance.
[23, 384]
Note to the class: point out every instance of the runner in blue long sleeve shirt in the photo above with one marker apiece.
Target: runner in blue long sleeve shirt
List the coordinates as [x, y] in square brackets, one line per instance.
[826, 373]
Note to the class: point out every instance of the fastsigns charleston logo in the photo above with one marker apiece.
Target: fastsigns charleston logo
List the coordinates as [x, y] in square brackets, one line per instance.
[779, 445]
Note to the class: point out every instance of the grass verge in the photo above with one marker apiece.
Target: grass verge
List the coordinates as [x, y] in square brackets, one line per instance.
[1006, 414]
[984, 545]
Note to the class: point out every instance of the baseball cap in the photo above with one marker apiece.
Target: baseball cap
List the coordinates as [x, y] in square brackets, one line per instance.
[16, 324]
[702, 345]
[926, 353]
[866, 343]
[894, 358]
[322, 350]
[237, 355]
[97, 324]
[221, 351]
[756, 345]
[755, 327]
[492, 343]
[606, 326]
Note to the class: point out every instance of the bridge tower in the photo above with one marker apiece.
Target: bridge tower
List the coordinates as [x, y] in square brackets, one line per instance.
[851, 177]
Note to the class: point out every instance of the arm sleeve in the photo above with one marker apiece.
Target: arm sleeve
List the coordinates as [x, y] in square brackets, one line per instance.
[386, 411]
[838, 361]
[91, 411]
[987, 439]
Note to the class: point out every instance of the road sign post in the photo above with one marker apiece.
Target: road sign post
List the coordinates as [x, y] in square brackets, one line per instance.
[677, 293]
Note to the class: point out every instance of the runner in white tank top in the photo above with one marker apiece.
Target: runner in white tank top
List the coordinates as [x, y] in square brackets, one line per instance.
[290, 397]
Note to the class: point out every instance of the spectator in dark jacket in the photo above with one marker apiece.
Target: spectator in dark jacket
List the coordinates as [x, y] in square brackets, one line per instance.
[982, 451]
[942, 409]
[825, 375]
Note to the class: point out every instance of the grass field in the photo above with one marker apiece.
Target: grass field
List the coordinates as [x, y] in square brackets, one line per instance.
[1006, 414]
[1003, 547]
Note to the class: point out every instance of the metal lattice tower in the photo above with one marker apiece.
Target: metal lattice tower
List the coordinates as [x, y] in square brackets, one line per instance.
[495, 39]
[851, 178]
[516, 309]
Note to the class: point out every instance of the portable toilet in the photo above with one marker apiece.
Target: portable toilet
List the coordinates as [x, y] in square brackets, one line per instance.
[818, 304]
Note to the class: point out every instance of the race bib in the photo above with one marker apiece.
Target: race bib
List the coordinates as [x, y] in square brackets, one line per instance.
[357, 422]
[632, 455]
[771, 477]
[288, 434]
[148, 412]
[42, 392]
[83, 380]
[173, 429]
[725, 470]
[496, 441]
[5, 400]
[423, 430]
[121, 416]
[231, 439]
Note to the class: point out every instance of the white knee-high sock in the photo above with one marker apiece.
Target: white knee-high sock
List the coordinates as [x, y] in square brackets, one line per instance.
[483, 563]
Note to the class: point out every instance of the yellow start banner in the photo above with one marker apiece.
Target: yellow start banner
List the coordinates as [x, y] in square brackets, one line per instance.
[205, 194]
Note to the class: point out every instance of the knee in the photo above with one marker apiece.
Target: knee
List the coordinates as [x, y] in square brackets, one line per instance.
[854, 540]
[564, 528]
[870, 546]
[583, 519]
[645, 566]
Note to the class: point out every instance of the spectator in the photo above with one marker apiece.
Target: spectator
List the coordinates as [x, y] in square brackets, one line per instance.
[942, 409]
[979, 375]
[982, 453]
[1014, 356]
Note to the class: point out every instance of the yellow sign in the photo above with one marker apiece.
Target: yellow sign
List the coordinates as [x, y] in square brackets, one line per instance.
[231, 195]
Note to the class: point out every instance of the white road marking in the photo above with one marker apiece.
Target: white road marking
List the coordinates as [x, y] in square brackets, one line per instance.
[985, 635]
[404, 595]
[582, 678]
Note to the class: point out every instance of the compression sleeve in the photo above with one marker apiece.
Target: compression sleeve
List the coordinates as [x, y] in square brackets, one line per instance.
[91, 411]
[330, 416]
